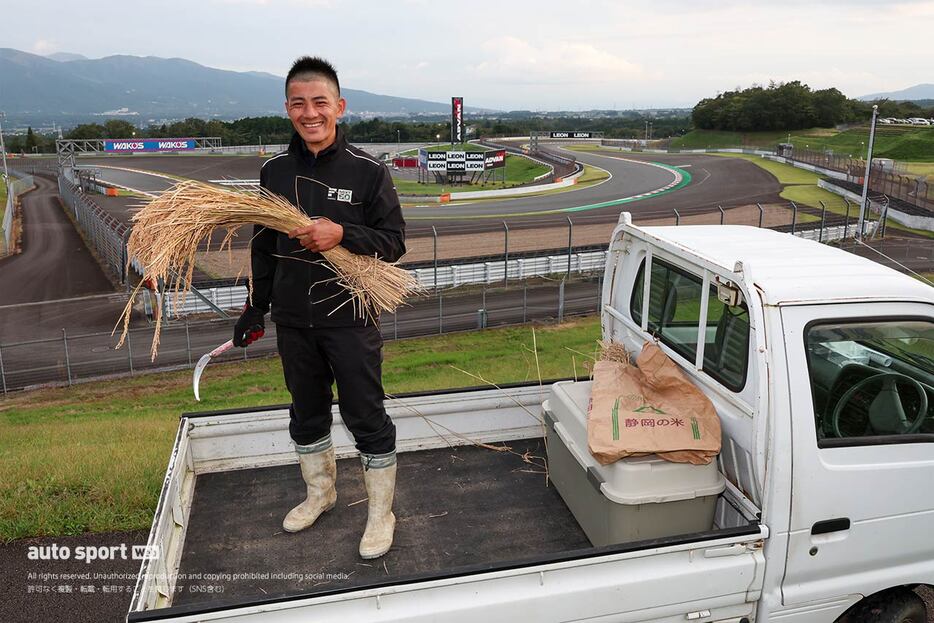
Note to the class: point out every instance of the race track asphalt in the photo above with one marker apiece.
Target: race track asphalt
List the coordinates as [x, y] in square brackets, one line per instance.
[54, 262]
[715, 180]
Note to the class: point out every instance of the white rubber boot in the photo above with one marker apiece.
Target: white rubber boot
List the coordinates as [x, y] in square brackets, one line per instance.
[319, 470]
[379, 475]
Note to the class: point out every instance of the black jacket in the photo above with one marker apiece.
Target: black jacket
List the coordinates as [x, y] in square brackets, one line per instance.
[347, 186]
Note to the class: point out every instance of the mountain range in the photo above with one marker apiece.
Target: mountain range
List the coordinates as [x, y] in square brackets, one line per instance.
[911, 94]
[69, 87]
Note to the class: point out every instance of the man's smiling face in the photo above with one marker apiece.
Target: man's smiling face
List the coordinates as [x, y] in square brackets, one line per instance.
[314, 107]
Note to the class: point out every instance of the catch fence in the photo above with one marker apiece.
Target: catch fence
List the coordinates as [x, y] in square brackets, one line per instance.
[75, 356]
[106, 235]
[885, 176]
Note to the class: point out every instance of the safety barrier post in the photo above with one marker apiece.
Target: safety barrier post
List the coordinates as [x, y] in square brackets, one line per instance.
[506, 255]
[677, 218]
[129, 351]
[188, 341]
[722, 214]
[67, 359]
[525, 303]
[2, 373]
[434, 233]
[794, 217]
[846, 222]
[561, 302]
[761, 213]
[570, 233]
[823, 214]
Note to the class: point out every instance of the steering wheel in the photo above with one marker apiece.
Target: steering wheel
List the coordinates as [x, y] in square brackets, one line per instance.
[886, 414]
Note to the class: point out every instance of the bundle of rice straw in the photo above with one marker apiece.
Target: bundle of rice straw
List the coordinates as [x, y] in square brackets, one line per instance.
[614, 351]
[167, 231]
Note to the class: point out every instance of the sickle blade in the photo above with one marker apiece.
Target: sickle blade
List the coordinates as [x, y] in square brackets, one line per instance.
[203, 363]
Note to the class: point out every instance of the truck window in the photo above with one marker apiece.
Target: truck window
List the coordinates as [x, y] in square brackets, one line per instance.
[872, 379]
[674, 314]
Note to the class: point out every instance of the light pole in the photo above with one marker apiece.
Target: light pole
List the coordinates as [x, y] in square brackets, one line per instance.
[862, 203]
[6, 174]
[398, 141]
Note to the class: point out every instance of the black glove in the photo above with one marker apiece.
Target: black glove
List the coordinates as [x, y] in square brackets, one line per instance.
[249, 328]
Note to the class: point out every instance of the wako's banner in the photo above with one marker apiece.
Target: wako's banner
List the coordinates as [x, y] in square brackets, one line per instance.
[162, 144]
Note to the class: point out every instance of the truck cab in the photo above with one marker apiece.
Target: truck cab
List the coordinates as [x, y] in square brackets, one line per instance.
[821, 366]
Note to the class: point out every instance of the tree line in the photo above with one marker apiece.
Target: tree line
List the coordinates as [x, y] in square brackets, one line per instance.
[278, 130]
[791, 106]
[779, 106]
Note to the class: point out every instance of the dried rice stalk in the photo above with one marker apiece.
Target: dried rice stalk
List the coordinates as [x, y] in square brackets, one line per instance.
[166, 233]
[614, 351]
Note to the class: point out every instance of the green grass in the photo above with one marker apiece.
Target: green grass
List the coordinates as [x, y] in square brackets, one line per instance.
[91, 458]
[801, 187]
[908, 144]
[703, 139]
[519, 170]
[921, 169]
[784, 173]
[588, 147]
[591, 175]
[3, 192]
[899, 143]
[803, 194]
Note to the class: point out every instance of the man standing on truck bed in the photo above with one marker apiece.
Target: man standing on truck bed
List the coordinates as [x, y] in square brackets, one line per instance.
[319, 335]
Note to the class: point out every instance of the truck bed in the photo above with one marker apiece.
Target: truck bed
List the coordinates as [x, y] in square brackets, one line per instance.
[468, 514]
[454, 507]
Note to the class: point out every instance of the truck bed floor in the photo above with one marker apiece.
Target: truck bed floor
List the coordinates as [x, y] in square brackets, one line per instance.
[454, 507]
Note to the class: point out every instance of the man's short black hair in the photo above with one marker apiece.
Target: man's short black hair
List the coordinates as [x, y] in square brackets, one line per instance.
[309, 68]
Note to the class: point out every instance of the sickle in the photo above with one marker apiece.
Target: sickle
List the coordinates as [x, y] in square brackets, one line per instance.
[205, 360]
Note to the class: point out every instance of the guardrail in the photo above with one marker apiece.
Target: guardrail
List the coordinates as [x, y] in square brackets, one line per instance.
[452, 276]
[486, 272]
[15, 188]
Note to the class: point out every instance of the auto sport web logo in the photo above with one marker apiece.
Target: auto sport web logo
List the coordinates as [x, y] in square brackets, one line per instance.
[90, 553]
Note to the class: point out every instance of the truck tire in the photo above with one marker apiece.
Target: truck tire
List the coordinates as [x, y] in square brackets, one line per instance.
[896, 606]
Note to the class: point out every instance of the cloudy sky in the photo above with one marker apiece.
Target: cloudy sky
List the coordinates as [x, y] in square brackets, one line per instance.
[515, 54]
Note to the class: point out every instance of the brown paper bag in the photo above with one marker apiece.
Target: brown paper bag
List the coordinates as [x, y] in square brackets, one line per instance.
[650, 408]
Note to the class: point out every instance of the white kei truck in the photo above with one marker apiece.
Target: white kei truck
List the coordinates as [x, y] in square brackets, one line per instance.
[819, 507]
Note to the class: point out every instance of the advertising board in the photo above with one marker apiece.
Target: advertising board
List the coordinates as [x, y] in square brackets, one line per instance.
[161, 144]
[456, 161]
[494, 159]
[457, 120]
[475, 161]
[437, 161]
[572, 135]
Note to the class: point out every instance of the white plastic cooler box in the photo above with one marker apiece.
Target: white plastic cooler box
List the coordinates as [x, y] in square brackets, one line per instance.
[632, 499]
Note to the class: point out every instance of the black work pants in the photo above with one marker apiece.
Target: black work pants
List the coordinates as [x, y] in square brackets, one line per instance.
[312, 359]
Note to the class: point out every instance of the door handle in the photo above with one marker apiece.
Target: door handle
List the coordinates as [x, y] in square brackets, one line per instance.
[831, 525]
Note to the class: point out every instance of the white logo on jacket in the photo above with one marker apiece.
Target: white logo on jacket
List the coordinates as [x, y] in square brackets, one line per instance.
[340, 194]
